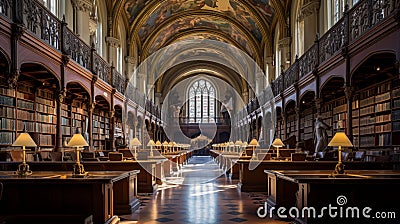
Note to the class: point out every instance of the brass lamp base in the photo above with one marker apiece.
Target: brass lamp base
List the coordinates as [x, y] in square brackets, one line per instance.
[79, 171]
[339, 169]
[23, 170]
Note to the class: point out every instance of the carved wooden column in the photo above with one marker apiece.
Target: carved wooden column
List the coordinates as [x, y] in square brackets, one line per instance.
[349, 92]
[59, 100]
[82, 9]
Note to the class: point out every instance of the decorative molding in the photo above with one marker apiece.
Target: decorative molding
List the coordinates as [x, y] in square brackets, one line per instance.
[310, 8]
[130, 59]
[113, 42]
[82, 5]
[284, 42]
[92, 26]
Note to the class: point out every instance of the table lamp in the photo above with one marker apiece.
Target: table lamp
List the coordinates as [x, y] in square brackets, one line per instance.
[230, 146]
[151, 144]
[244, 145]
[254, 143]
[24, 139]
[238, 144]
[277, 143]
[171, 146]
[78, 142]
[134, 143]
[340, 140]
[159, 145]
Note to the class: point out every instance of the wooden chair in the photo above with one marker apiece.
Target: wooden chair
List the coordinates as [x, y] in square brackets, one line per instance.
[55, 156]
[298, 156]
[115, 156]
[16, 155]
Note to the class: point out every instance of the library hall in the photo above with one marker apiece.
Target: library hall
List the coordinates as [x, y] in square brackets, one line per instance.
[199, 111]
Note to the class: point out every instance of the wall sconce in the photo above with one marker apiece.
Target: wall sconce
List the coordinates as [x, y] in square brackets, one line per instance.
[78, 142]
[24, 139]
[340, 140]
[277, 143]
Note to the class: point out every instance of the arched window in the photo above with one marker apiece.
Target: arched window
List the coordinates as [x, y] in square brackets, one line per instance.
[202, 104]
[53, 6]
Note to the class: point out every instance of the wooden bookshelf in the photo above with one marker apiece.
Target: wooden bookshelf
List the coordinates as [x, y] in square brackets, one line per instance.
[291, 125]
[27, 107]
[307, 124]
[374, 116]
[101, 129]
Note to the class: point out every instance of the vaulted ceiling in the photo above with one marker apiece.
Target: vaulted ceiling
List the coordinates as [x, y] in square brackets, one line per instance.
[245, 24]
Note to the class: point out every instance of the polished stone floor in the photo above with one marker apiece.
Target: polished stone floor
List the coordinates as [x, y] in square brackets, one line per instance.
[199, 193]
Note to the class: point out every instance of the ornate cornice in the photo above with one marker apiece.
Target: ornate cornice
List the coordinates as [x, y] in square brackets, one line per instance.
[113, 42]
[308, 9]
[82, 5]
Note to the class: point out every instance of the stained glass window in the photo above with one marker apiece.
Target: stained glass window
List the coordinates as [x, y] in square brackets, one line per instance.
[201, 108]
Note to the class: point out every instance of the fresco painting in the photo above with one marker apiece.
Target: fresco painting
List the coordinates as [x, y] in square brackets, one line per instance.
[168, 8]
[192, 22]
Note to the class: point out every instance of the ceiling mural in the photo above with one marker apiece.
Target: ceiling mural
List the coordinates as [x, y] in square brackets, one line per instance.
[168, 8]
[201, 36]
[192, 22]
[264, 7]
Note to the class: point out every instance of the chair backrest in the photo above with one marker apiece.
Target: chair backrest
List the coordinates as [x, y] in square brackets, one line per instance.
[56, 156]
[285, 153]
[115, 156]
[359, 155]
[127, 153]
[298, 156]
[264, 156]
[16, 155]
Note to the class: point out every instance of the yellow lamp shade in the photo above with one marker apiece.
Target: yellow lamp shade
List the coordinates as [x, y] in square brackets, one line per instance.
[151, 143]
[158, 143]
[238, 143]
[135, 142]
[254, 142]
[278, 143]
[77, 140]
[165, 143]
[24, 139]
[171, 144]
[340, 139]
[231, 144]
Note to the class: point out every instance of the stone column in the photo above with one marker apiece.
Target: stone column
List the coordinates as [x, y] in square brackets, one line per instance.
[309, 14]
[130, 68]
[112, 48]
[82, 10]
[269, 69]
[284, 46]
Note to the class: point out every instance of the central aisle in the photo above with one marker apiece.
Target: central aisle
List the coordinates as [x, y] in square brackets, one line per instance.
[199, 193]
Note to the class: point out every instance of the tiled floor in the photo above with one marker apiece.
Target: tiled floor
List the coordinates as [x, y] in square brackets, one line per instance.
[198, 195]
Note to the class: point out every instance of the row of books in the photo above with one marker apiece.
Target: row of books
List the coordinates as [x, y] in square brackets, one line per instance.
[367, 101]
[367, 110]
[46, 109]
[45, 140]
[25, 115]
[382, 107]
[45, 128]
[45, 94]
[383, 118]
[29, 125]
[7, 112]
[7, 138]
[367, 141]
[46, 118]
[7, 91]
[7, 101]
[65, 121]
[338, 117]
[396, 126]
[66, 130]
[383, 128]
[26, 89]
[7, 124]
[25, 105]
[396, 103]
[45, 101]
[384, 140]
[382, 97]
[365, 130]
[396, 93]
[339, 109]
[396, 115]
[367, 120]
